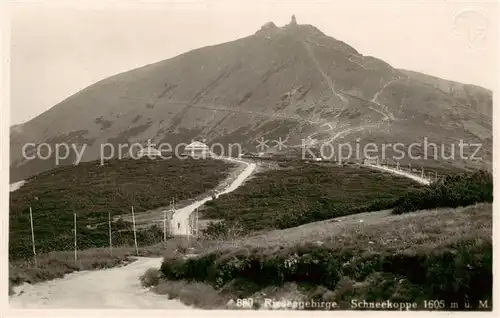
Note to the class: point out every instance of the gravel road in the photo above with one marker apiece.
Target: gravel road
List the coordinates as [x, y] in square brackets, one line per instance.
[181, 216]
[113, 288]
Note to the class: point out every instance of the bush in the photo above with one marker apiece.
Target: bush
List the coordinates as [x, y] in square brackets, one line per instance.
[223, 230]
[150, 278]
[216, 230]
[182, 247]
[416, 257]
[451, 191]
[460, 272]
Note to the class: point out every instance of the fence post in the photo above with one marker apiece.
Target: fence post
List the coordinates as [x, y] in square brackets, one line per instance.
[33, 238]
[110, 242]
[422, 173]
[74, 214]
[135, 234]
[189, 220]
[191, 227]
[197, 223]
[193, 220]
[173, 211]
[165, 224]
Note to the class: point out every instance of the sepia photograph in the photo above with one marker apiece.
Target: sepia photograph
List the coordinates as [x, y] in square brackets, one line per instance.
[250, 155]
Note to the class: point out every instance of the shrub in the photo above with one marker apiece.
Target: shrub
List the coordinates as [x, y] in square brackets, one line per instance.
[223, 230]
[182, 247]
[451, 191]
[216, 230]
[150, 278]
[460, 271]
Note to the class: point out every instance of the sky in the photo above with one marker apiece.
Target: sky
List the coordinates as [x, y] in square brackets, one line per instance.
[60, 47]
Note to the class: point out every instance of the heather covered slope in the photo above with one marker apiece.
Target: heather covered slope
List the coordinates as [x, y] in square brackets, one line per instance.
[444, 254]
[95, 192]
[292, 82]
[300, 193]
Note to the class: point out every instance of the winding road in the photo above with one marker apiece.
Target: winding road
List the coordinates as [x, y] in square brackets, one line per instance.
[400, 173]
[114, 288]
[16, 185]
[181, 216]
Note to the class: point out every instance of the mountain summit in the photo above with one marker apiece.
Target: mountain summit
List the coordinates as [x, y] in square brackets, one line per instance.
[291, 82]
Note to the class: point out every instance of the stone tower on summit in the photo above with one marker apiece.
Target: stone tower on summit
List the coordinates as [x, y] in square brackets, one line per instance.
[294, 20]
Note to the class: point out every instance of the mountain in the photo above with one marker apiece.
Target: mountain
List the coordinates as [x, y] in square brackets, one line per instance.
[293, 82]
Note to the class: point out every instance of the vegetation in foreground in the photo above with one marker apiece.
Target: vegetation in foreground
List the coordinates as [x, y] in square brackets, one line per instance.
[450, 191]
[441, 255]
[301, 193]
[92, 191]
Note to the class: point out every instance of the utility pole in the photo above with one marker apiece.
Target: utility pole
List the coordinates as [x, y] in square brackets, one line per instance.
[165, 223]
[110, 242]
[74, 214]
[188, 226]
[135, 234]
[33, 237]
[197, 223]
[172, 214]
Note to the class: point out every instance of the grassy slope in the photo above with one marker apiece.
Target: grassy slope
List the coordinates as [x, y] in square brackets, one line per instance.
[436, 254]
[92, 191]
[301, 193]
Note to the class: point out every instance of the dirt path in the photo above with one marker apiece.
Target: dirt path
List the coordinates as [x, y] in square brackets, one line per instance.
[181, 216]
[117, 288]
[155, 216]
[401, 173]
[16, 185]
[327, 78]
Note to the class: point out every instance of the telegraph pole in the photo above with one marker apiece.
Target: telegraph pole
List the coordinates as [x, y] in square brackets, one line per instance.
[75, 235]
[33, 237]
[197, 223]
[110, 242]
[135, 234]
[164, 225]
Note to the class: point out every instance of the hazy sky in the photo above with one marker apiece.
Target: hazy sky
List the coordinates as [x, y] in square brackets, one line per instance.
[60, 47]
